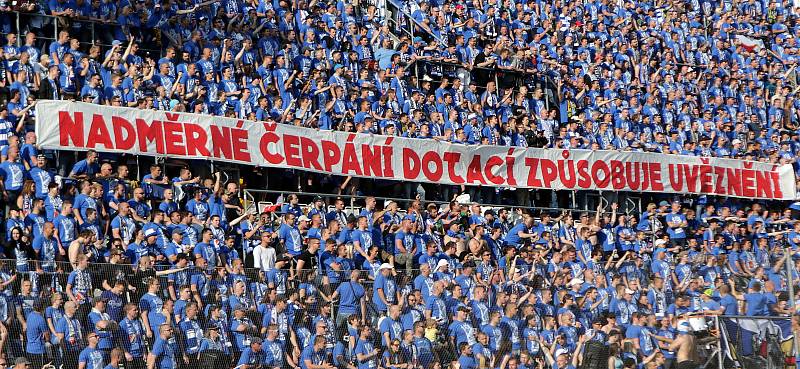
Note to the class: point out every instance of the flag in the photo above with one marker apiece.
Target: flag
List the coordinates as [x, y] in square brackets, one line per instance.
[750, 44]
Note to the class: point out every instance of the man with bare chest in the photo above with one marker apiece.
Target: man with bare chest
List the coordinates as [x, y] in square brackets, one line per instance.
[685, 346]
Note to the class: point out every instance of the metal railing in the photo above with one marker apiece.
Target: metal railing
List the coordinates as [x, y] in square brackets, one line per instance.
[402, 18]
[256, 199]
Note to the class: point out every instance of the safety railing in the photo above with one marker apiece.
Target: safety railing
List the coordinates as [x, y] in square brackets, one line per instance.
[259, 199]
[402, 18]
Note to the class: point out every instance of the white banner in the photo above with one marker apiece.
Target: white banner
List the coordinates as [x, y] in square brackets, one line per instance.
[79, 126]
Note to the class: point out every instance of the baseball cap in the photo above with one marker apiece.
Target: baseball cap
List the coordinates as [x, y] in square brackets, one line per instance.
[575, 282]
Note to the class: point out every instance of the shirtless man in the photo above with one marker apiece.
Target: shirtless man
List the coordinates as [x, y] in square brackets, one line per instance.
[685, 346]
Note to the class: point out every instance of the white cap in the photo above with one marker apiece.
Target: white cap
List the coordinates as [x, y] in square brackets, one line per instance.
[560, 352]
[575, 282]
[387, 203]
[629, 291]
[736, 141]
[385, 266]
[442, 263]
[303, 218]
[659, 242]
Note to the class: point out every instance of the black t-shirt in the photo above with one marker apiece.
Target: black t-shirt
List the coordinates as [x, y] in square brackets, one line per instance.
[310, 261]
[481, 76]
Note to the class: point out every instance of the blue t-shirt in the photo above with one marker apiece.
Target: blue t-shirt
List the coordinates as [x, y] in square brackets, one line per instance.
[756, 304]
[13, 175]
[291, 238]
[73, 336]
[350, 295]
[82, 167]
[252, 358]
[365, 347]
[389, 289]
[164, 352]
[34, 336]
[92, 358]
[315, 357]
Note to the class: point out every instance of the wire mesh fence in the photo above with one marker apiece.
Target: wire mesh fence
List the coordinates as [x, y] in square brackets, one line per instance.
[284, 310]
[757, 342]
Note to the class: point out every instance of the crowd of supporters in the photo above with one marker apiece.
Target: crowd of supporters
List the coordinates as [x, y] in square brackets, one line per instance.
[104, 268]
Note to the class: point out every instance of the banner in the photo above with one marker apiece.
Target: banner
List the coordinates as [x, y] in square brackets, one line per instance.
[79, 126]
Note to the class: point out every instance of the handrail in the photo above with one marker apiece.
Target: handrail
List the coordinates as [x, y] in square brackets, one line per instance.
[753, 317]
[412, 21]
[249, 194]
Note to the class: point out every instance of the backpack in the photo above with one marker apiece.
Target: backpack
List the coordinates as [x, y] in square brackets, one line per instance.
[595, 355]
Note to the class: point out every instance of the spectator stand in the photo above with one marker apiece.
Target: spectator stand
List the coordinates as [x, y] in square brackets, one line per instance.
[96, 31]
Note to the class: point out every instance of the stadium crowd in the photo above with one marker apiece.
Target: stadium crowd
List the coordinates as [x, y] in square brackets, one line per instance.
[104, 269]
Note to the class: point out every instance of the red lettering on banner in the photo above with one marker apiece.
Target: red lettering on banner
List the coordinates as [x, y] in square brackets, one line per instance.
[777, 192]
[734, 177]
[549, 172]
[310, 153]
[388, 153]
[584, 179]
[452, 159]
[690, 176]
[148, 133]
[173, 138]
[706, 179]
[533, 167]
[474, 171]
[567, 180]
[70, 129]
[763, 187]
[617, 175]
[239, 145]
[512, 181]
[646, 175]
[411, 164]
[98, 133]
[350, 163]
[221, 141]
[656, 183]
[676, 177]
[124, 133]
[432, 157]
[331, 154]
[291, 148]
[83, 126]
[748, 183]
[597, 167]
[271, 157]
[719, 172]
[196, 138]
[633, 175]
[371, 157]
[492, 163]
